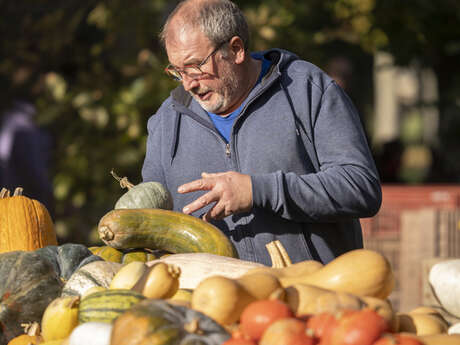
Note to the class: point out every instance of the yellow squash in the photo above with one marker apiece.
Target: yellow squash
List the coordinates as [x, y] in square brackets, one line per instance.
[361, 272]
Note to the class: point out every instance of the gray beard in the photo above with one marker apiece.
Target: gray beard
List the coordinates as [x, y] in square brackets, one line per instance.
[226, 93]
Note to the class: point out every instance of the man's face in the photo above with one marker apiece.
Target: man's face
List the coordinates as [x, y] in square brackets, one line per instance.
[218, 88]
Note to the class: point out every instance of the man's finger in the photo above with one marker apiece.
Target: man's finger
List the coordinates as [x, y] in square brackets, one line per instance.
[200, 184]
[210, 175]
[201, 202]
[216, 212]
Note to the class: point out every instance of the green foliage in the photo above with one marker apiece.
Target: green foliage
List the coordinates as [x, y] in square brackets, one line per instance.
[95, 71]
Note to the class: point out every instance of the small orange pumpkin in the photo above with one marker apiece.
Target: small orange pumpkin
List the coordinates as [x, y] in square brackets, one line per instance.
[25, 223]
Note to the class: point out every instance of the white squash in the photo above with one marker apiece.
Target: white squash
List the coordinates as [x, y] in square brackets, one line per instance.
[195, 267]
[454, 329]
[91, 333]
[444, 278]
[97, 273]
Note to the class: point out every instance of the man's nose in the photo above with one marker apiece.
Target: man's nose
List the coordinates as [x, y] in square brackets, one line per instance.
[189, 83]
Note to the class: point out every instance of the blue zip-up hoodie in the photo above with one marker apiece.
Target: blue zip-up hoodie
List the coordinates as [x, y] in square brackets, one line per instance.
[299, 138]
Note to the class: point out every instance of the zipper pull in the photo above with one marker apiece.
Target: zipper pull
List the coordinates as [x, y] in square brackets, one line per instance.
[227, 150]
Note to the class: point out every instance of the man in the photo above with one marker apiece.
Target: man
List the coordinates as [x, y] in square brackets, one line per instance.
[265, 146]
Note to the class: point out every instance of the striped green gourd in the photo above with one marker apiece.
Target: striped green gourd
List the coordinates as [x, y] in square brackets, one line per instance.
[106, 306]
[171, 231]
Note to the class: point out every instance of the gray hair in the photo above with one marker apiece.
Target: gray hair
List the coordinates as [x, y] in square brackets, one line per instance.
[219, 20]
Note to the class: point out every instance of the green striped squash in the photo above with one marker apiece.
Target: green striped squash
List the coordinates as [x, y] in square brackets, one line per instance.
[106, 306]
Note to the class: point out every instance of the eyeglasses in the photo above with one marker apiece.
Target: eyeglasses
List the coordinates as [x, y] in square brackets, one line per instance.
[192, 71]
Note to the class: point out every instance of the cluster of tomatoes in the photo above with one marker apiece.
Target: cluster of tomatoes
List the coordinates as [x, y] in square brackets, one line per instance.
[271, 322]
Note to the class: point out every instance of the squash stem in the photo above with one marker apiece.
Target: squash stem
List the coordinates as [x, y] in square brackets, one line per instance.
[278, 254]
[31, 328]
[193, 327]
[4, 193]
[18, 191]
[124, 182]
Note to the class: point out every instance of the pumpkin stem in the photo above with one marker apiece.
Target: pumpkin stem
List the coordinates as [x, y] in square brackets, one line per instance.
[18, 191]
[31, 328]
[174, 270]
[124, 182]
[278, 254]
[4, 193]
[106, 234]
[193, 327]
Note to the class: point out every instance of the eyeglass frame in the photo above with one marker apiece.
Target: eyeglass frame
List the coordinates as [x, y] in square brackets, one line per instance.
[170, 69]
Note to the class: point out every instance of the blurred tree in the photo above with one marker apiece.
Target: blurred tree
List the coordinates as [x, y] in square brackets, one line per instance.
[95, 71]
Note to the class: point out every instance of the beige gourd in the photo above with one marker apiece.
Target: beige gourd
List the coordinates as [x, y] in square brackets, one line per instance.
[422, 323]
[160, 281]
[128, 275]
[361, 272]
[224, 299]
[440, 339]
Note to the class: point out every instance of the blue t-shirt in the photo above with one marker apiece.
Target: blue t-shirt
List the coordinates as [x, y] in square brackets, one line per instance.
[224, 124]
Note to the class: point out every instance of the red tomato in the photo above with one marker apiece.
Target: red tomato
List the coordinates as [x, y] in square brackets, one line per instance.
[258, 315]
[239, 341]
[397, 339]
[361, 327]
[321, 324]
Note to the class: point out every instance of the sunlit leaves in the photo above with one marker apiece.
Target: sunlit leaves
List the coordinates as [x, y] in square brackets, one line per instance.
[56, 85]
[99, 16]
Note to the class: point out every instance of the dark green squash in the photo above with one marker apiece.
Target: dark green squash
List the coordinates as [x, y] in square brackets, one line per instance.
[171, 231]
[31, 280]
[155, 321]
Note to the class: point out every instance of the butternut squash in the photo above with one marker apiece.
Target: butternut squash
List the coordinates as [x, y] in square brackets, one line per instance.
[224, 299]
[306, 299]
[421, 323]
[440, 339]
[361, 272]
[384, 308]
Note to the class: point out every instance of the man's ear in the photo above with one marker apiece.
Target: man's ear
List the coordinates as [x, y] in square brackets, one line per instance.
[237, 49]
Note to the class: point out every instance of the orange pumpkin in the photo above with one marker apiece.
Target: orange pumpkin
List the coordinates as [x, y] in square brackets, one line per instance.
[25, 223]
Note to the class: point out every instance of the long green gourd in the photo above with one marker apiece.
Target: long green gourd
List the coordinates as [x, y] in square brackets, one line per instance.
[171, 231]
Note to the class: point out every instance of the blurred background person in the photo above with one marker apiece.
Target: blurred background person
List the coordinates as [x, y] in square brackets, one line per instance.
[24, 153]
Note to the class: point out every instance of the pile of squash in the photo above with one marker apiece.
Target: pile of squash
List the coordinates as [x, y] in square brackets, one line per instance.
[168, 278]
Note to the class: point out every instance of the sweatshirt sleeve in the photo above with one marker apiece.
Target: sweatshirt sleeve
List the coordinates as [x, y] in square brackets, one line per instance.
[347, 185]
[151, 169]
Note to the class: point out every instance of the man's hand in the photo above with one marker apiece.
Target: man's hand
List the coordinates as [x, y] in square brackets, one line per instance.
[231, 192]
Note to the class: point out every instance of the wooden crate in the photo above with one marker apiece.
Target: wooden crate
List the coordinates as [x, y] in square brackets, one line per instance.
[425, 234]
